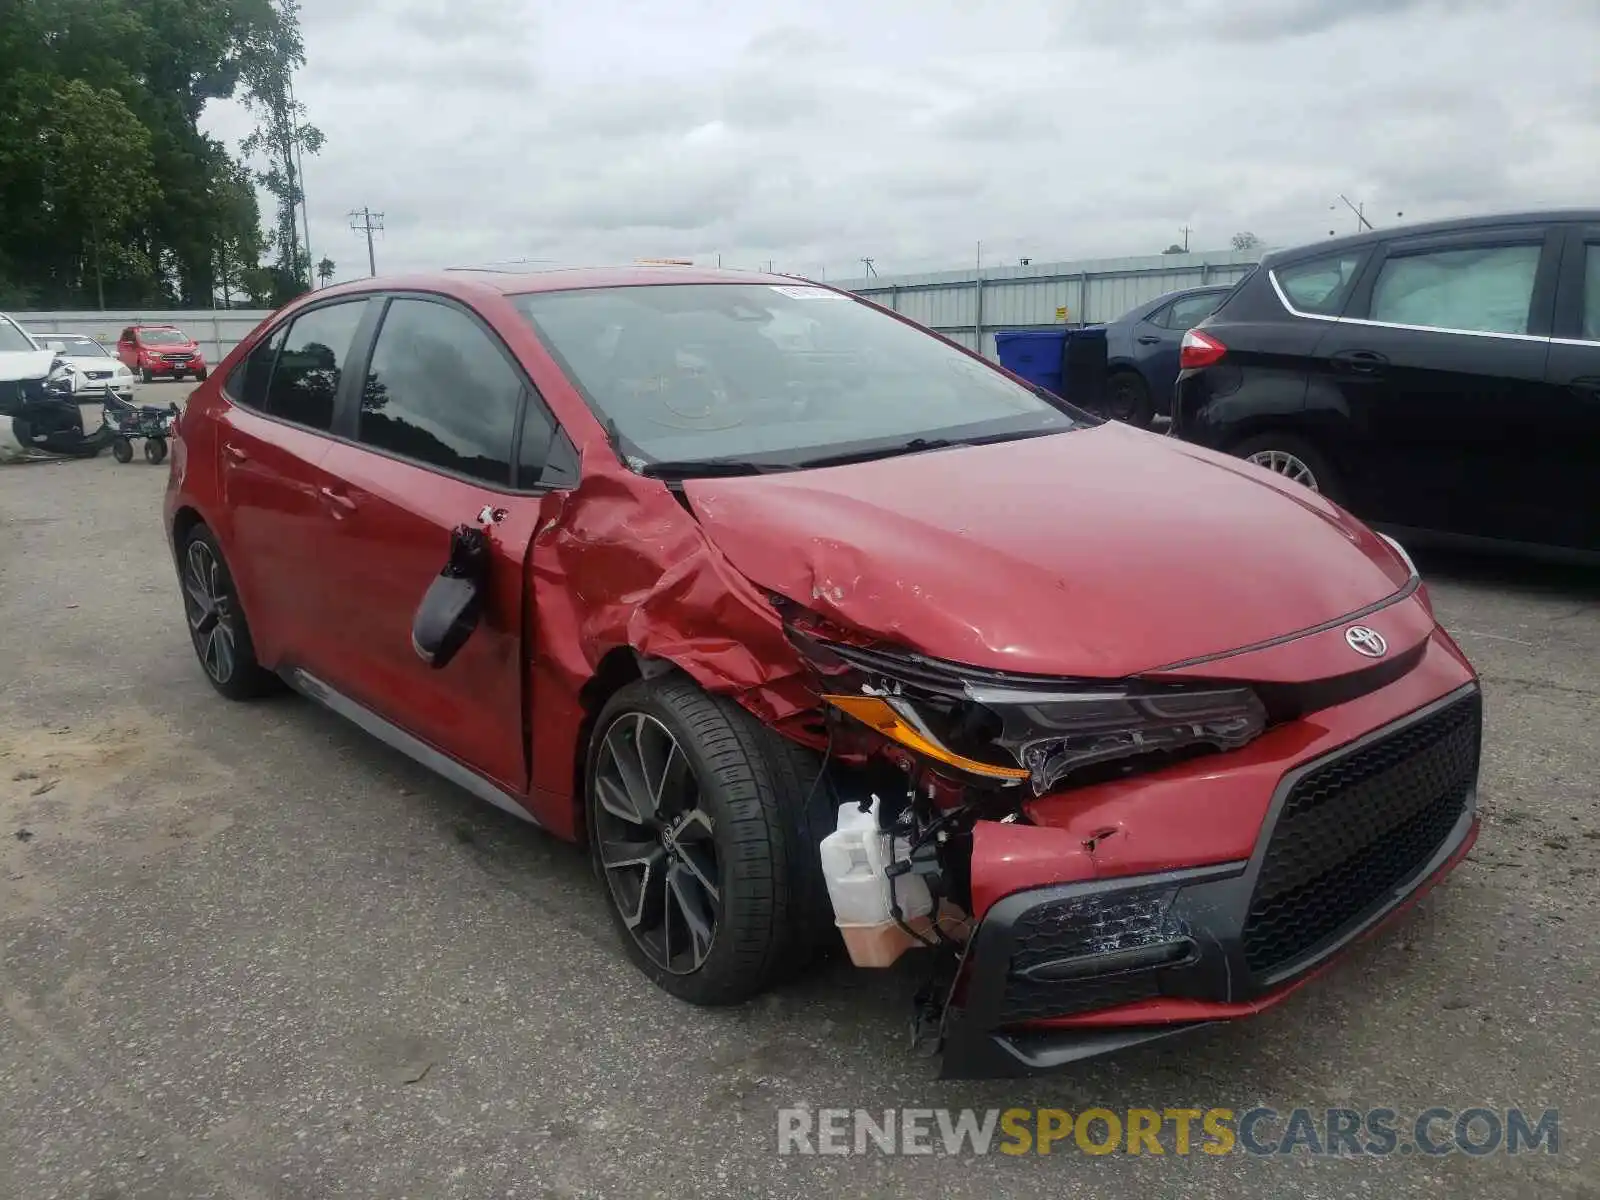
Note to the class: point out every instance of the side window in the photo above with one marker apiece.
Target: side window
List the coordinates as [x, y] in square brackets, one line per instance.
[1191, 310]
[1591, 293]
[1486, 289]
[1160, 317]
[248, 382]
[441, 391]
[314, 352]
[537, 430]
[1320, 286]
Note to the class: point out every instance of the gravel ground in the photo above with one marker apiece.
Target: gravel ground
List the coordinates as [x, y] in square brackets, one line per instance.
[246, 951]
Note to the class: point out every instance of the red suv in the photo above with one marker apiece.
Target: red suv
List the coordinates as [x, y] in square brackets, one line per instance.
[801, 617]
[154, 350]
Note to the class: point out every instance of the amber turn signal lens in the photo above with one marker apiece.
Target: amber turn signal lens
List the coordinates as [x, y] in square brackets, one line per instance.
[877, 713]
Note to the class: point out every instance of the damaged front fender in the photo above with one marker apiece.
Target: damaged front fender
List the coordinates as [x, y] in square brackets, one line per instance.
[618, 564]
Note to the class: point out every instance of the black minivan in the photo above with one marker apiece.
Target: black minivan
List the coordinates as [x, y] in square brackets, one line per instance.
[1441, 380]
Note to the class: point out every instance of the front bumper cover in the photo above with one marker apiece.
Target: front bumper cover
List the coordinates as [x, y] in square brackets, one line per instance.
[1057, 974]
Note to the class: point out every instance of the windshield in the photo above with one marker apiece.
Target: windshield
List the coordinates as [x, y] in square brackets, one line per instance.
[79, 347]
[163, 337]
[12, 338]
[772, 375]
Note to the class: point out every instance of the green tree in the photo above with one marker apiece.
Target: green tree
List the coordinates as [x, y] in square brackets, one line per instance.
[281, 136]
[198, 234]
[100, 179]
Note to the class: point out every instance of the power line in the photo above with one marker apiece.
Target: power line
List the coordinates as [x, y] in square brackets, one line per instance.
[364, 220]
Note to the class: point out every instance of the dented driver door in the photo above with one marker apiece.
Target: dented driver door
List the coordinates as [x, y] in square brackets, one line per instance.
[440, 422]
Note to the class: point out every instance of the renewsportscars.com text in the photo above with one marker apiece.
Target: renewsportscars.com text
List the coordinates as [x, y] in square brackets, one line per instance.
[1261, 1131]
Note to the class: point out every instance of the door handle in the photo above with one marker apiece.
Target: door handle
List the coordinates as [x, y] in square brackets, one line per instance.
[338, 502]
[234, 452]
[1148, 339]
[1363, 362]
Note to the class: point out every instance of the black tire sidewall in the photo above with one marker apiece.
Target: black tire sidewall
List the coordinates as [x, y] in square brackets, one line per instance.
[155, 451]
[743, 913]
[1142, 407]
[122, 450]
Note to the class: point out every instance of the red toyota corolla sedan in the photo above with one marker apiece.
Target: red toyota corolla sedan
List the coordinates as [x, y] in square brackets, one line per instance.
[807, 622]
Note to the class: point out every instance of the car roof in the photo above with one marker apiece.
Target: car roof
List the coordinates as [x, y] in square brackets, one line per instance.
[463, 281]
[1360, 241]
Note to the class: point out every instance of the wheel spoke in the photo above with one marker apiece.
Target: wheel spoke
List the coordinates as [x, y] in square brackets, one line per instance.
[698, 853]
[685, 897]
[615, 800]
[223, 637]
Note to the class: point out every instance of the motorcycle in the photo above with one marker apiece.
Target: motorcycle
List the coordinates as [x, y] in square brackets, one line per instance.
[41, 413]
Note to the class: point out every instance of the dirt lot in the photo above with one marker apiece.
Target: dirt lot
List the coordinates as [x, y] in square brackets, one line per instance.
[246, 951]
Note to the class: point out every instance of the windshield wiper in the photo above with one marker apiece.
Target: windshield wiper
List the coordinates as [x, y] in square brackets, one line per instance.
[707, 468]
[915, 446]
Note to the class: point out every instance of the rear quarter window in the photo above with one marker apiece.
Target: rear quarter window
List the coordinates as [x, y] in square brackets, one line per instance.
[1319, 286]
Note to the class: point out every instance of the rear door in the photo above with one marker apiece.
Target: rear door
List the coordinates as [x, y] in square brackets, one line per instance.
[1571, 480]
[271, 440]
[447, 431]
[1158, 340]
[1440, 362]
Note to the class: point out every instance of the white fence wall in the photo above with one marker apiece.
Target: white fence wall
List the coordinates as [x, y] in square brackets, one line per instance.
[967, 306]
[970, 306]
[217, 331]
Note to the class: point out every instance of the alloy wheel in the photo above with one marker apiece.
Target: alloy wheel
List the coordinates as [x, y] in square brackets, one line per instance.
[1288, 465]
[656, 843]
[210, 612]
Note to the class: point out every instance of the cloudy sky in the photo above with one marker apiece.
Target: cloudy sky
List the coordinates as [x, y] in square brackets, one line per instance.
[911, 130]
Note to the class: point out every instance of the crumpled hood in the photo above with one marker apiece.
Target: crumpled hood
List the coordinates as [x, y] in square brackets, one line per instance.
[25, 364]
[1104, 552]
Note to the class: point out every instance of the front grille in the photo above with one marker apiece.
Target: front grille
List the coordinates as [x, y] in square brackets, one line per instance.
[1354, 829]
[175, 358]
[1082, 926]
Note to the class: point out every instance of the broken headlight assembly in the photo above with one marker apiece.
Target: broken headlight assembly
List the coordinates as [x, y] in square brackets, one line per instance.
[1010, 729]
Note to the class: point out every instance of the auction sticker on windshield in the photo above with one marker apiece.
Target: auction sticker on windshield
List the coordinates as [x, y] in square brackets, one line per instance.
[807, 293]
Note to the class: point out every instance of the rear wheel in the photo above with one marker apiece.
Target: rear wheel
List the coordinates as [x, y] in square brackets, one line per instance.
[696, 824]
[1128, 399]
[122, 450]
[155, 450]
[1294, 458]
[217, 624]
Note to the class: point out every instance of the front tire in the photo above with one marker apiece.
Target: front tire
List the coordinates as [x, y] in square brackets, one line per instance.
[697, 827]
[147, 375]
[155, 450]
[217, 625]
[200, 375]
[122, 450]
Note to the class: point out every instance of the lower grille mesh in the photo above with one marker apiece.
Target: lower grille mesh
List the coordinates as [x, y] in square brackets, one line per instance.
[1355, 828]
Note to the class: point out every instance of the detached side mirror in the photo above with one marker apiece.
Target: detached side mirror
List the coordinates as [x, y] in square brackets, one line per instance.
[453, 602]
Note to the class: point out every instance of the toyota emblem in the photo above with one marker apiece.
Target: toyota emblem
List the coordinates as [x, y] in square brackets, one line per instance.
[1366, 641]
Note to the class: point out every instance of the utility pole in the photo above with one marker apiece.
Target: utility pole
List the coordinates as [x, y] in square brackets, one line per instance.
[1360, 211]
[366, 221]
[867, 263]
[1186, 231]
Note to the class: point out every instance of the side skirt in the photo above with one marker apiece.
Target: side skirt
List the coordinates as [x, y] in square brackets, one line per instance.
[392, 735]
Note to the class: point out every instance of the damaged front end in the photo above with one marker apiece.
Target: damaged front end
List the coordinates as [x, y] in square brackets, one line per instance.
[970, 749]
[39, 413]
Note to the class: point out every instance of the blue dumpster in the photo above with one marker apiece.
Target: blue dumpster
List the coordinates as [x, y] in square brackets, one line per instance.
[1035, 354]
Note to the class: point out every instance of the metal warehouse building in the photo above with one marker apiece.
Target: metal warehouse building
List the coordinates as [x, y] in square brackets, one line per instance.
[970, 306]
